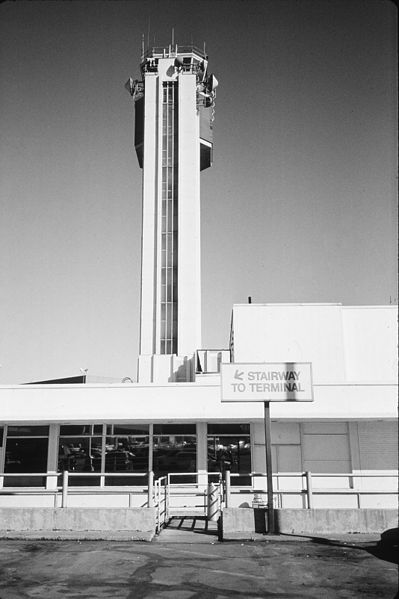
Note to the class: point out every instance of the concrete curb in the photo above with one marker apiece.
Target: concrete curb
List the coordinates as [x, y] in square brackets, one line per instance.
[185, 537]
[346, 539]
[69, 535]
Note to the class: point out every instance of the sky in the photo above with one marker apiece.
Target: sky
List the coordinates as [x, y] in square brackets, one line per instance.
[299, 206]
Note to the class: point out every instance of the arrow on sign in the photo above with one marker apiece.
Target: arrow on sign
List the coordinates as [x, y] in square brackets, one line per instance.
[238, 375]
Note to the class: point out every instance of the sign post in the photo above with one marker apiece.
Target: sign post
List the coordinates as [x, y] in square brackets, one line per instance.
[269, 470]
[282, 381]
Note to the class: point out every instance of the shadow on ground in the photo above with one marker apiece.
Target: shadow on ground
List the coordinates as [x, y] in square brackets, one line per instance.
[196, 524]
[387, 548]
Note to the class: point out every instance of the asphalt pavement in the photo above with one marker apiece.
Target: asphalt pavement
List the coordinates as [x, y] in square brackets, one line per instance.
[172, 567]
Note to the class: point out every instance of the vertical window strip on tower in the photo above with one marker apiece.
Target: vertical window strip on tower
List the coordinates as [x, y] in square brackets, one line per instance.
[169, 221]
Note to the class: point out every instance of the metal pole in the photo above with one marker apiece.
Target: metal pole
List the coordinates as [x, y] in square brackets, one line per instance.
[167, 498]
[269, 471]
[64, 488]
[213, 501]
[309, 489]
[227, 489]
[158, 518]
[150, 489]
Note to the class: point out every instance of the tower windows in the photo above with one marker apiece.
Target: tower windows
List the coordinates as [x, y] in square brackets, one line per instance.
[168, 295]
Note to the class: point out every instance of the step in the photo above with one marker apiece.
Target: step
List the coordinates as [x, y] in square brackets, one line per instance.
[188, 530]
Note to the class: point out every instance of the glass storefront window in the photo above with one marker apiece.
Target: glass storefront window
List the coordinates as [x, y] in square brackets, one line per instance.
[27, 431]
[81, 429]
[125, 449]
[176, 429]
[118, 453]
[25, 455]
[130, 429]
[80, 454]
[126, 454]
[230, 452]
[175, 453]
[228, 429]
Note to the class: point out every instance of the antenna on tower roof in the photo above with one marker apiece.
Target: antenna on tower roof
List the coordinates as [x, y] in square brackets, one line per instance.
[142, 45]
[173, 36]
[204, 49]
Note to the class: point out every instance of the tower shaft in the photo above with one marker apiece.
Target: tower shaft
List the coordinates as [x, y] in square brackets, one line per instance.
[173, 140]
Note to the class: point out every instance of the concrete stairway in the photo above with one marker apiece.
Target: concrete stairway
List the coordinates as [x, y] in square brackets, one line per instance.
[188, 529]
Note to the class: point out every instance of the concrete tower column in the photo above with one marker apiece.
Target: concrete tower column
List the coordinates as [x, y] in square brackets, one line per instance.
[174, 106]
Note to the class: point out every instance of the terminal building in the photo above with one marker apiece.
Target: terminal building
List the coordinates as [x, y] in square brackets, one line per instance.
[112, 437]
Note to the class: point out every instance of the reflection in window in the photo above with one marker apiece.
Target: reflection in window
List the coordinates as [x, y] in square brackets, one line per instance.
[175, 453]
[114, 453]
[80, 454]
[230, 452]
[126, 454]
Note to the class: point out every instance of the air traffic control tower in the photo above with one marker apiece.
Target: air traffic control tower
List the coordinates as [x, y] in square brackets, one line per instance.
[174, 108]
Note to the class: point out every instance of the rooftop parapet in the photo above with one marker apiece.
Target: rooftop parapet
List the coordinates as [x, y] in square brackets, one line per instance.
[171, 51]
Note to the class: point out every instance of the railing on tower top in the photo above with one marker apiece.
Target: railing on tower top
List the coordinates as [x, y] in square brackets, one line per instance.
[172, 50]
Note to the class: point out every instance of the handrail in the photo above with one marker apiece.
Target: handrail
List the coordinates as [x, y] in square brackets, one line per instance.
[158, 490]
[84, 474]
[309, 491]
[64, 487]
[53, 474]
[322, 474]
[30, 473]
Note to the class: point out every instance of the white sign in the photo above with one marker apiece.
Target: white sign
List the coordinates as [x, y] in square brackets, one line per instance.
[282, 381]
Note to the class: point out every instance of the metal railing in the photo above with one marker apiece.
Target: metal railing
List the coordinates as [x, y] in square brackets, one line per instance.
[158, 492]
[179, 491]
[65, 489]
[172, 50]
[160, 499]
[307, 487]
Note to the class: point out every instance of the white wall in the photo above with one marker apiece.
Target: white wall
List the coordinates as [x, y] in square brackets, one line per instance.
[344, 343]
[378, 445]
[188, 280]
[325, 448]
[319, 447]
[370, 337]
[185, 402]
[291, 333]
[329, 447]
[189, 274]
